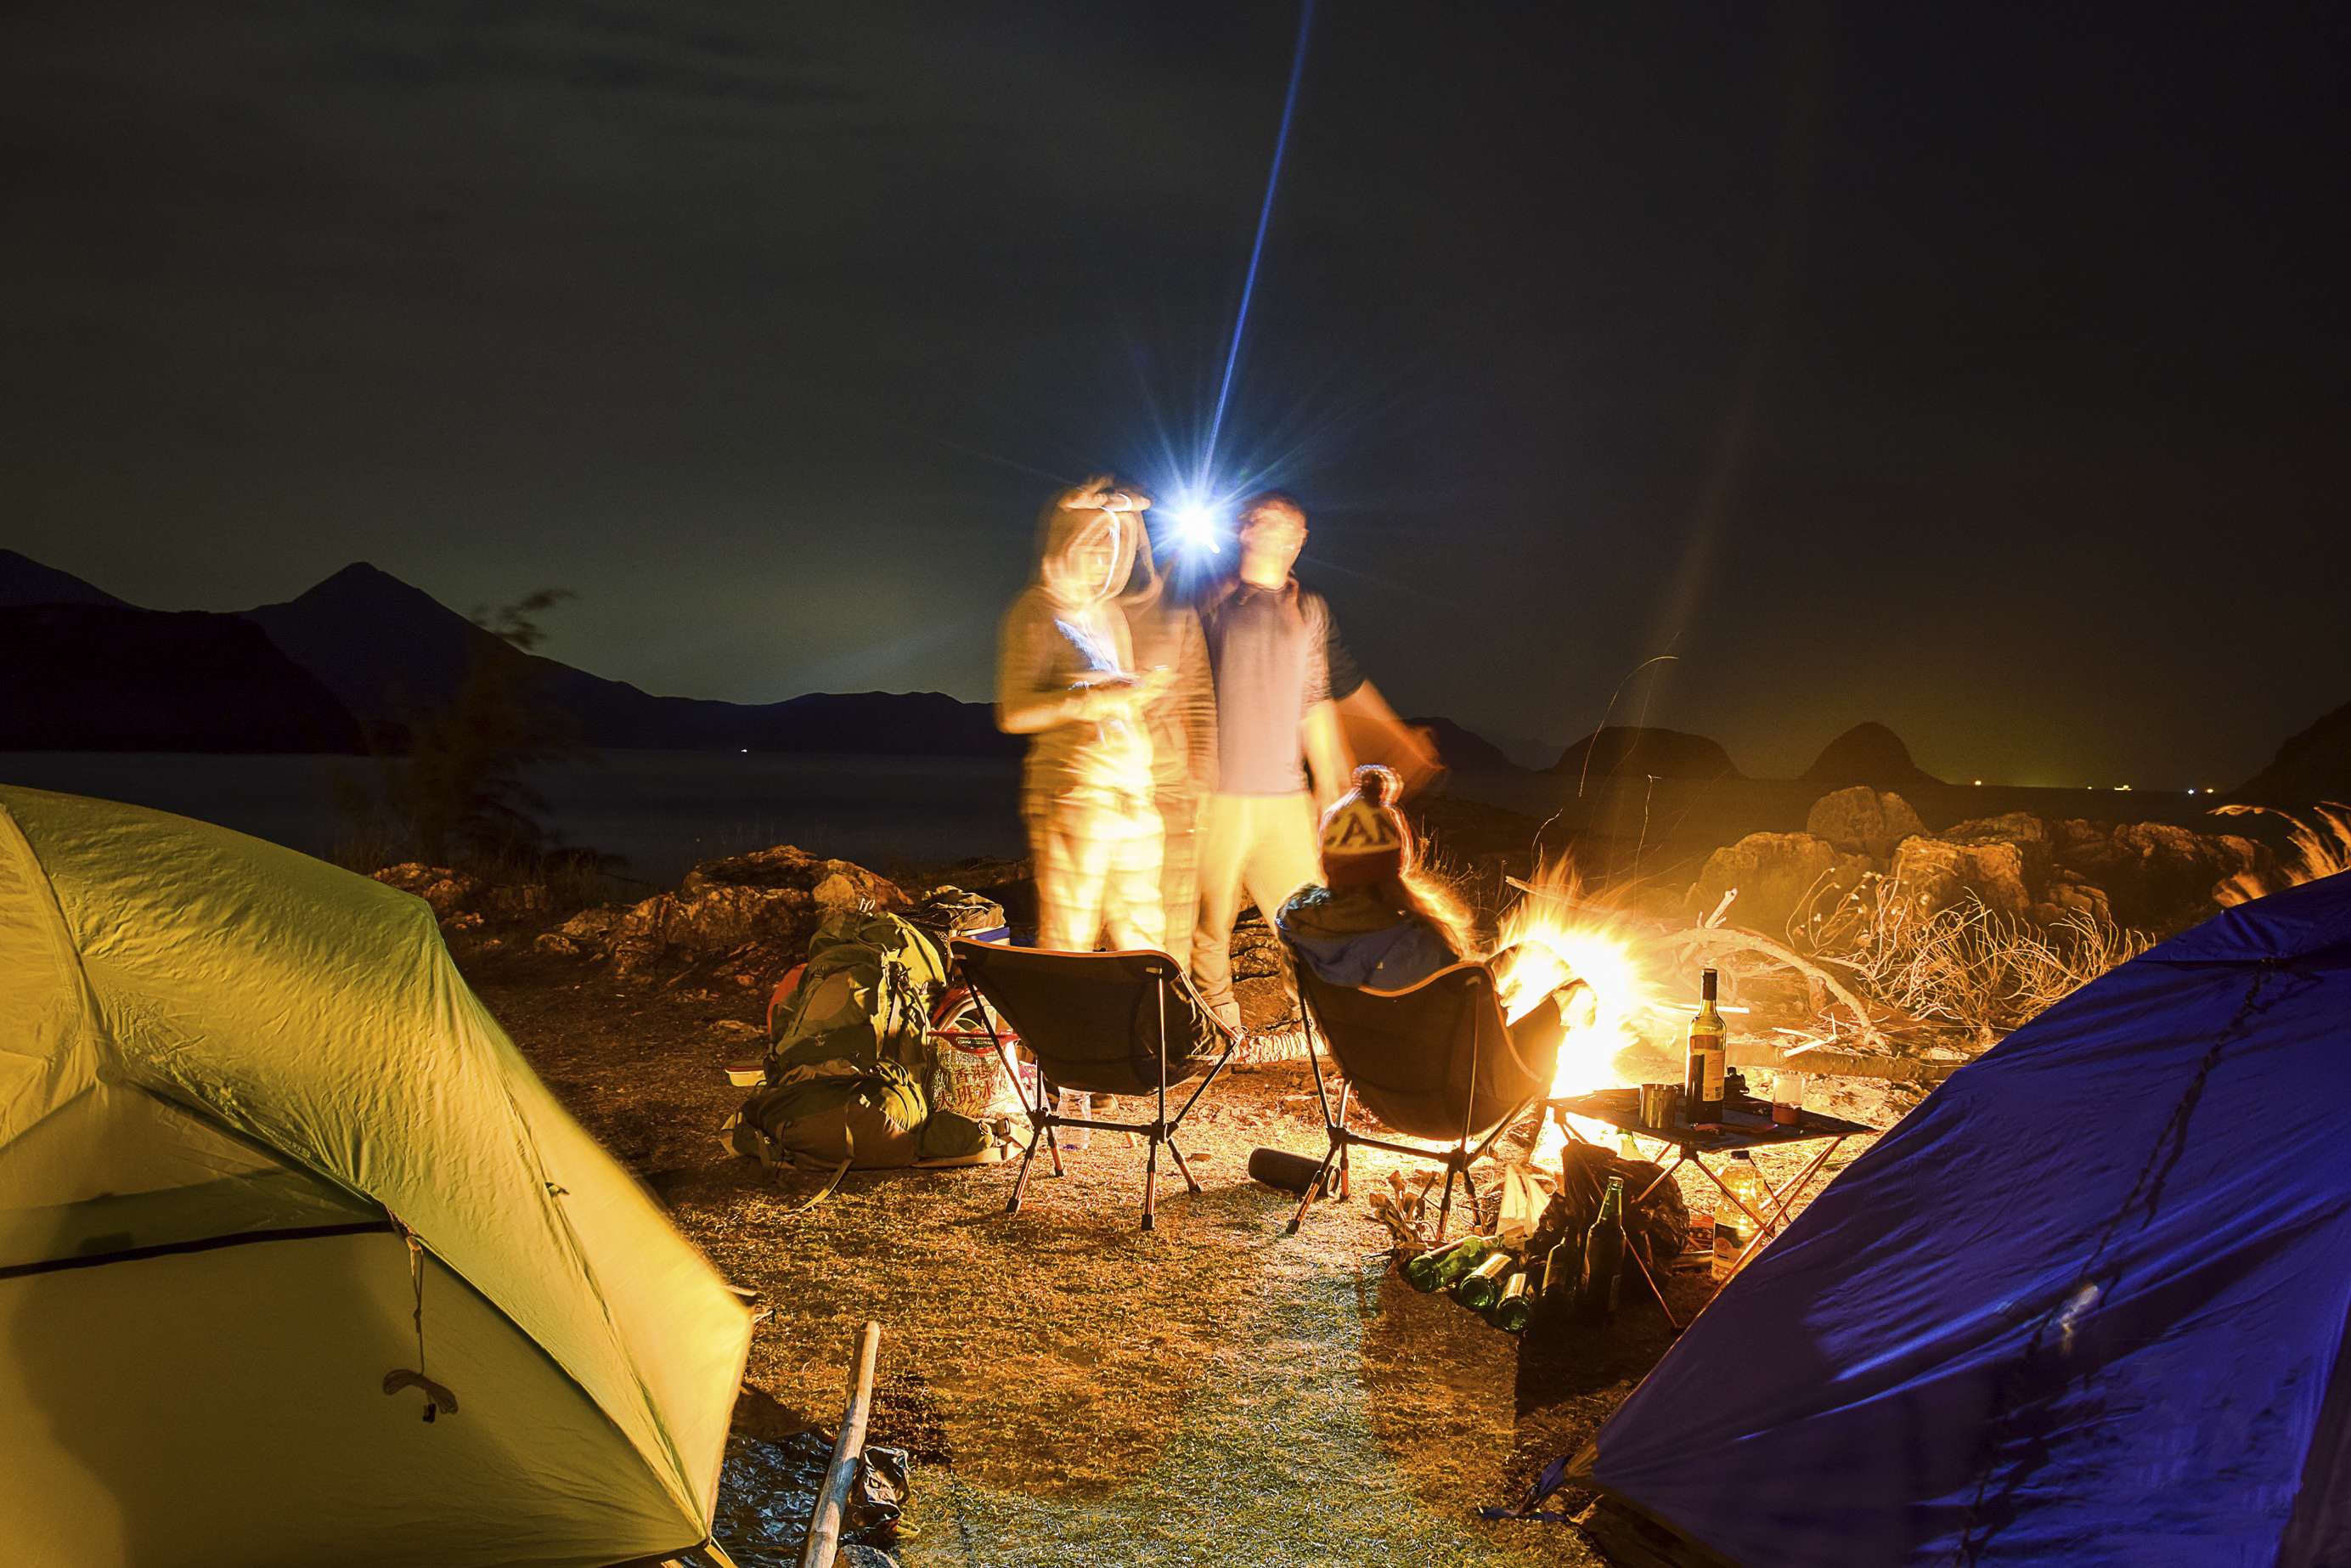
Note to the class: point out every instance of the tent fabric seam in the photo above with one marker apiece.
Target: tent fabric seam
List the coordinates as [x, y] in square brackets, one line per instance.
[200, 1244]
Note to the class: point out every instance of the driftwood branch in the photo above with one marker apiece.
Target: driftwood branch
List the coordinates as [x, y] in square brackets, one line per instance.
[1727, 939]
[823, 1543]
[1825, 1060]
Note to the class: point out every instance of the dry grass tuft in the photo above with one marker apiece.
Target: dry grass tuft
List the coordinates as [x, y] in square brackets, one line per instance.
[1965, 965]
[2321, 849]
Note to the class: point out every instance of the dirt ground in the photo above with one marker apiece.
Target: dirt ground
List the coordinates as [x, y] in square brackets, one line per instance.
[1073, 1389]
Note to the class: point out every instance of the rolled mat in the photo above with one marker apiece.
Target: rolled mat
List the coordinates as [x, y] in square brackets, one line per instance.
[1282, 1170]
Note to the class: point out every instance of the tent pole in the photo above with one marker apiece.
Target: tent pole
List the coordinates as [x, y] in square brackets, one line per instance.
[823, 1543]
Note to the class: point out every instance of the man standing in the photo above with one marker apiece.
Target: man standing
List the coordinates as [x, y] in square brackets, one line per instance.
[1182, 723]
[1266, 649]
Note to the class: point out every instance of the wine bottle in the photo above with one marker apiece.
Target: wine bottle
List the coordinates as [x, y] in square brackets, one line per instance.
[1702, 1073]
[1435, 1271]
[1603, 1258]
[1481, 1287]
[1510, 1314]
[1563, 1263]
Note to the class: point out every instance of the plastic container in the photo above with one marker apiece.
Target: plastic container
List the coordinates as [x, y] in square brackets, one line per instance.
[1733, 1226]
[1076, 1102]
[1787, 1098]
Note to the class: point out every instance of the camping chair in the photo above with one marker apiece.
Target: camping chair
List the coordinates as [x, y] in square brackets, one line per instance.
[1435, 1061]
[1105, 1023]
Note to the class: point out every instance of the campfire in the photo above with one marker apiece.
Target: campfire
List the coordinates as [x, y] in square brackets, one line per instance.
[1554, 934]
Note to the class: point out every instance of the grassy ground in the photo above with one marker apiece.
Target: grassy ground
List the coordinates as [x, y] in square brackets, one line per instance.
[1075, 1390]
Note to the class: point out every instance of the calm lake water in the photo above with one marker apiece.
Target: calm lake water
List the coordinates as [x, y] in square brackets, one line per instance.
[663, 811]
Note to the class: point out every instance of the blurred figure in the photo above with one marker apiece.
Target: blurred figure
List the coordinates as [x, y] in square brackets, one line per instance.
[1182, 725]
[1065, 678]
[1268, 651]
[1372, 730]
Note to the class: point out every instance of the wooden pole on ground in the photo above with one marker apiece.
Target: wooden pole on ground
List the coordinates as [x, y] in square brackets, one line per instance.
[823, 1543]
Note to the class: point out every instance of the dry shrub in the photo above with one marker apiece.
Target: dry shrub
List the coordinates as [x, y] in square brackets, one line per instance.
[1964, 965]
[2319, 850]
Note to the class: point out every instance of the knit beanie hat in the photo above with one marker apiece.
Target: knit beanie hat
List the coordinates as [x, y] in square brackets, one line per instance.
[1364, 837]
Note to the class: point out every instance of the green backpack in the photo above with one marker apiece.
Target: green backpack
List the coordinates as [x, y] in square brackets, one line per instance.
[851, 1069]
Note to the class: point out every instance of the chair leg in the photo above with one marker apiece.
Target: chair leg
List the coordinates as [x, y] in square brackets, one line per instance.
[1181, 1165]
[1315, 1185]
[1021, 1185]
[1159, 1127]
[1445, 1209]
[1346, 1176]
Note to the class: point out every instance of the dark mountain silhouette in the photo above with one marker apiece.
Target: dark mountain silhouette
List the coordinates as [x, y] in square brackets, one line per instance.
[2313, 766]
[1868, 754]
[24, 580]
[390, 650]
[106, 677]
[1634, 751]
[1458, 747]
[381, 652]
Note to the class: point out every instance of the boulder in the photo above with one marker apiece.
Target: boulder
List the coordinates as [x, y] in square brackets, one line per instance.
[588, 930]
[2154, 875]
[1775, 876]
[1261, 980]
[462, 901]
[448, 892]
[2029, 833]
[1863, 821]
[2068, 897]
[762, 907]
[833, 884]
[1938, 873]
[716, 920]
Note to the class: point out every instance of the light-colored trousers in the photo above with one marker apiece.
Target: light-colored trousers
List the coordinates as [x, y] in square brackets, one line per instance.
[1180, 870]
[1097, 858]
[1255, 848]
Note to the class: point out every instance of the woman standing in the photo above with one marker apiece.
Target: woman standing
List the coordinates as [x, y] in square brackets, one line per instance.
[1065, 678]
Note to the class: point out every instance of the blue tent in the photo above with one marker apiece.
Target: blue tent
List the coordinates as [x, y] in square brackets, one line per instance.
[2089, 1304]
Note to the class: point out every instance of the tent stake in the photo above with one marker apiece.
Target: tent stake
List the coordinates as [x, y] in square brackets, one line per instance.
[823, 1543]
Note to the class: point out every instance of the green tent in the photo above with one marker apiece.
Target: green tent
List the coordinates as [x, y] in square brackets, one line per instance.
[250, 1116]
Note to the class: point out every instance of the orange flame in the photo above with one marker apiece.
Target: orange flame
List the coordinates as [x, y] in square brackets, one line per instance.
[1554, 934]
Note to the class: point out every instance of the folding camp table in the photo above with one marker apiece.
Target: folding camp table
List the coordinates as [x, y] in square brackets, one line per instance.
[1746, 1126]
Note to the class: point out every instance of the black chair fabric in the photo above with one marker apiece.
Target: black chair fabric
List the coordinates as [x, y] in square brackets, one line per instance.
[1092, 1019]
[1100, 1022]
[1407, 1053]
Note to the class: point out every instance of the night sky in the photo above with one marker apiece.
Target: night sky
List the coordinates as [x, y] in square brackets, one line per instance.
[1984, 373]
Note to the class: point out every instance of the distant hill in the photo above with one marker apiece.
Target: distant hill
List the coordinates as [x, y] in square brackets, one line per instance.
[1634, 750]
[24, 580]
[1462, 747]
[381, 650]
[1868, 754]
[112, 678]
[2313, 766]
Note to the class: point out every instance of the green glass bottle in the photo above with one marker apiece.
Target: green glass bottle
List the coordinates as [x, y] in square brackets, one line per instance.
[1603, 1258]
[1511, 1313]
[1560, 1266]
[1440, 1265]
[1481, 1287]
